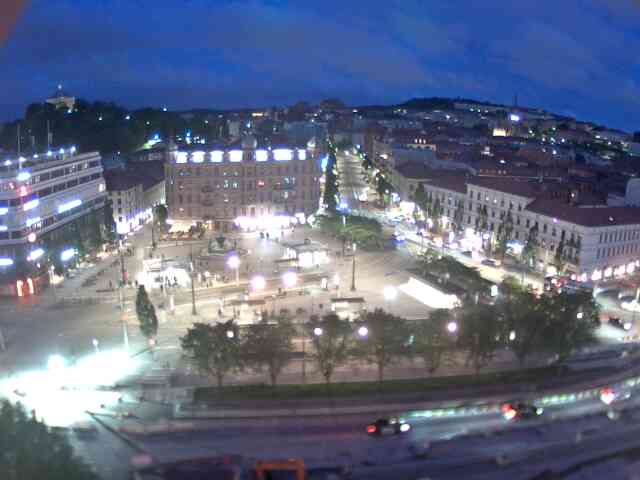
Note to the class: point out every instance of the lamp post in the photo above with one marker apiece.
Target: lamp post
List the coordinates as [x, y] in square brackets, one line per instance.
[390, 293]
[193, 281]
[234, 263]
[353, 269]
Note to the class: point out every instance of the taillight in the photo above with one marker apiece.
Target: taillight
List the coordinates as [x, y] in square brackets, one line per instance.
[371, 429]
[607, 396]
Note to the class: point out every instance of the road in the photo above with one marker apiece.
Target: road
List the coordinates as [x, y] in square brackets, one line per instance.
[459, 444]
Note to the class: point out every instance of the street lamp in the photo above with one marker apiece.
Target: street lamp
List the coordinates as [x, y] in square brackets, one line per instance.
[363, 331]
[390, 293]
[230, 334]
[353, 269]
[234, 263]
[258, 283]
[512, 335]
[289, 279]
[452, 327]
[317, 331]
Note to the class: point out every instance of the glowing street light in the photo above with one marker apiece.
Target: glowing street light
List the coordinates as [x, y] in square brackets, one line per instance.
[290, 279]
[363, 331]
[317, 331]
[452, 327]
[258, 283]
[230, 334]
[512, 335]
[234, 263]
[390, 293]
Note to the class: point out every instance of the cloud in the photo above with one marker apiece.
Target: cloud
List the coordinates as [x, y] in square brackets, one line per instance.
[236, 52]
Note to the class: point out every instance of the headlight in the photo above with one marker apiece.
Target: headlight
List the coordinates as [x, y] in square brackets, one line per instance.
[405, 427]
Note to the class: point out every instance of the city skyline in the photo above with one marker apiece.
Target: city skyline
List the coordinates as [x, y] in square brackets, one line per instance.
[238, 54]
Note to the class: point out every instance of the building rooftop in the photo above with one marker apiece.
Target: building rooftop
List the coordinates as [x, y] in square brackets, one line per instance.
[513, 186]
[414, 169]
[457, 183]
[586, 216]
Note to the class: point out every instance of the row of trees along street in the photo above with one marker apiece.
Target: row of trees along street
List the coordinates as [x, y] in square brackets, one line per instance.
[520, 322]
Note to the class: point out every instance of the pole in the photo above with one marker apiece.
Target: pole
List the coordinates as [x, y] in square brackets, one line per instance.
[238, 276]
[304, 356]
[353, 269]
[193, 288]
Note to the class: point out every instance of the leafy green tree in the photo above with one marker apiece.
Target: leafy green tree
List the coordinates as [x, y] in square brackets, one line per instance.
[559, 257]
[385, 341]
[109, 222]
[504, 234]
[571, 319]
[458, 216]
[530, 249]
[431, 339]
[216, 349]
[524, 319]
[146, 314]
[480, 335]
[330, 196]
[270, 344]
[330, 337]
[30, 450]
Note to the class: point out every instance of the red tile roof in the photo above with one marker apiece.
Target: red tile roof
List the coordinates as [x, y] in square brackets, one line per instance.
[586, 216]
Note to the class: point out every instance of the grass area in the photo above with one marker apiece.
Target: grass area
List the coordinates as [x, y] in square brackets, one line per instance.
[355, 389]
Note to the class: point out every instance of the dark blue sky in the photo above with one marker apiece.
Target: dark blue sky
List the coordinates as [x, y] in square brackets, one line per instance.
[576, 57]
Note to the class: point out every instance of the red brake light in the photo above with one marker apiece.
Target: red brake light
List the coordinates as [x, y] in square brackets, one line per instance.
[371, 429]
[607, 396]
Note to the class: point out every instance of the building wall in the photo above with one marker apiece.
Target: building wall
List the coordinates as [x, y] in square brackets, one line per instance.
[221, 187]
[602, 249]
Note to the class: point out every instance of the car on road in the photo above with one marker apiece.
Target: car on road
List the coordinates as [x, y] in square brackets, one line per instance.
[490, 262]
[610, 395]
[621, 324]
[388, 426]
[520, 411]
[399, 237]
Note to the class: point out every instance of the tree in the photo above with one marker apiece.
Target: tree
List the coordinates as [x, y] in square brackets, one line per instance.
[386, 339]
[330, 340]
[523, 317]
[216, 349]
[458, 216]
[504, 234]
[94, 231]
[146, 314]
[480, 334]
[161, 214]
[571, 319]
[559, 258]
[330, 196]
[431, 339]
[530, 248]
[30, 450]
[270, 345]
[109, 223]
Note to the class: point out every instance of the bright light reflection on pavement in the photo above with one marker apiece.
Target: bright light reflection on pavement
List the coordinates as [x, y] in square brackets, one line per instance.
[62, 393]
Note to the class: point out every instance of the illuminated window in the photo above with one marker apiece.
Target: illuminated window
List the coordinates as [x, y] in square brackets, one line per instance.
[197, 157]
[282, 154]
[181, 157]
[262, 155]
[302, 154]
[235, 155]
[216, 156]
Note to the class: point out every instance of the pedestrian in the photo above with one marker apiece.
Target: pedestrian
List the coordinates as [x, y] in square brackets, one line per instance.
[110, 285]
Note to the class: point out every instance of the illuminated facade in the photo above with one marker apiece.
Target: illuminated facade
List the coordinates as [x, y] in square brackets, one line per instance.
[247, 186]
[41, 197]
[595, 242]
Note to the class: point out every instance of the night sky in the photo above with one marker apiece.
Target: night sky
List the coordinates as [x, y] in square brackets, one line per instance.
[575, 57]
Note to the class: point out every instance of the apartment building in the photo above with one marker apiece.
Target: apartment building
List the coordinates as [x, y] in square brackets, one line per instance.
[243, 184]
[42, 198]
[595, 241]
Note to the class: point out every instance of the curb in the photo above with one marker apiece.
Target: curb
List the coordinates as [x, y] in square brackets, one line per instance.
[133, 445]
